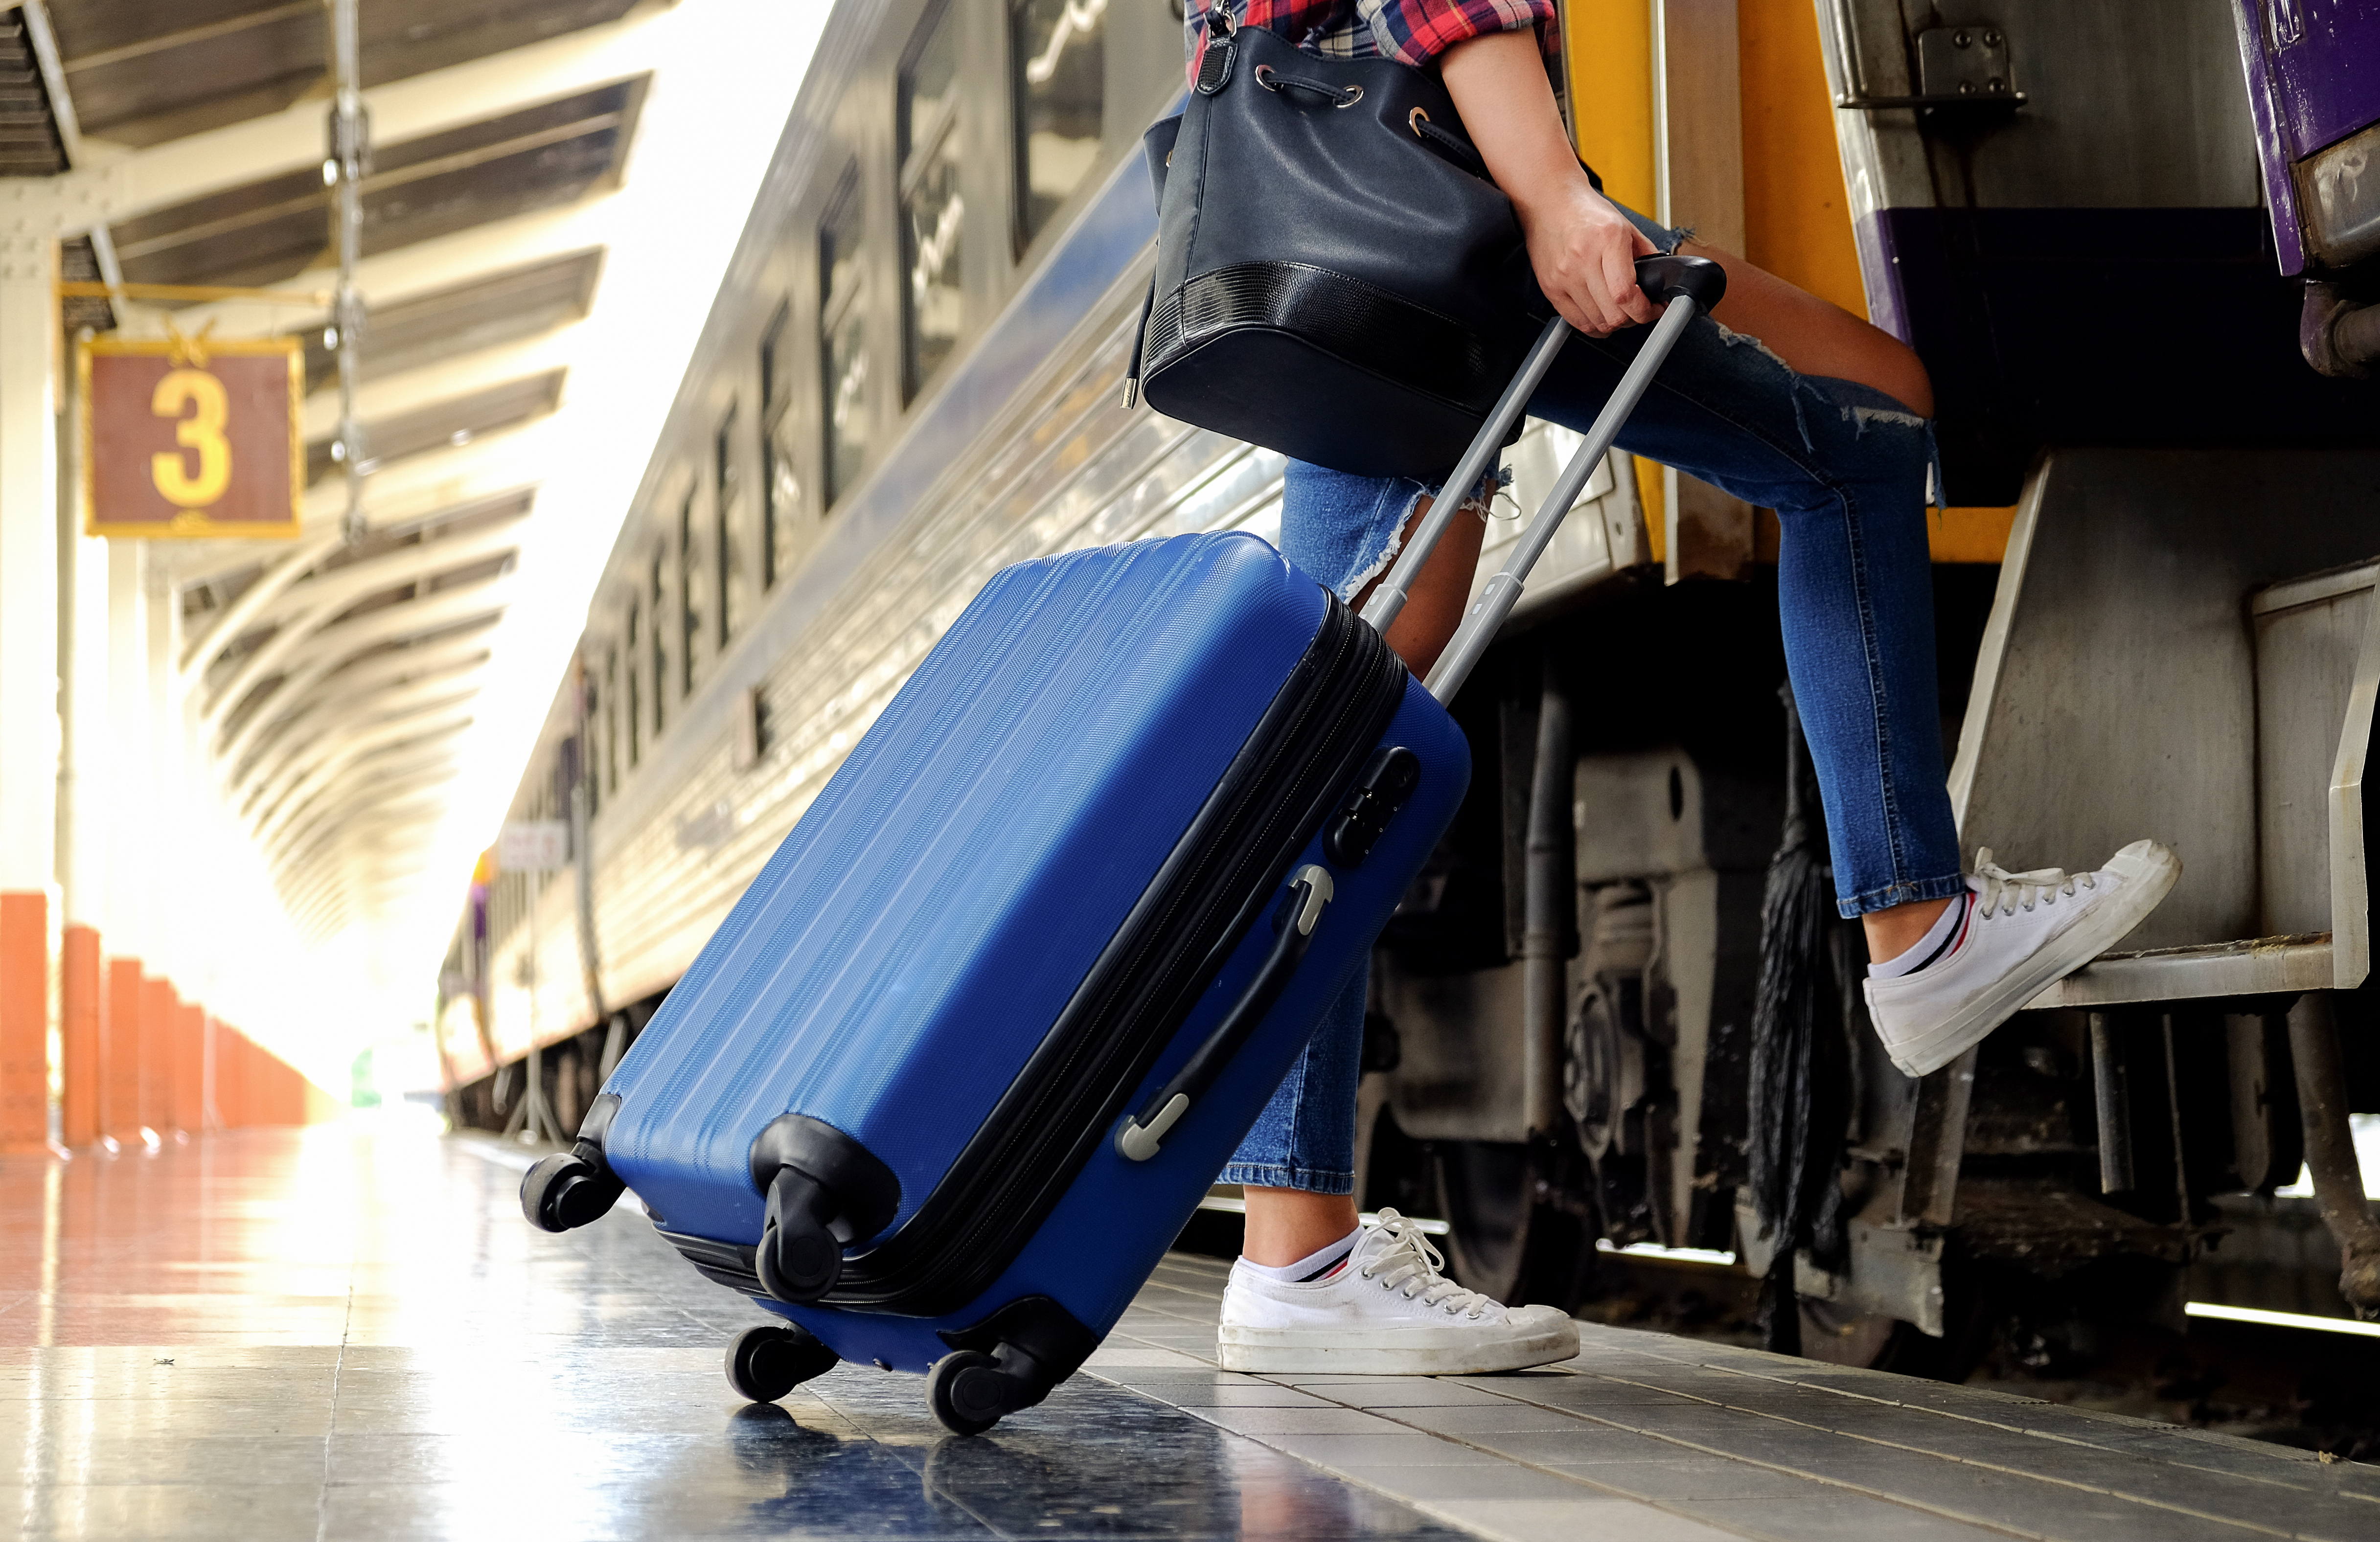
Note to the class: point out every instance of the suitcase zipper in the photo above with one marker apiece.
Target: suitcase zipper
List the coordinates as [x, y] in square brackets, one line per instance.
[1271, 801]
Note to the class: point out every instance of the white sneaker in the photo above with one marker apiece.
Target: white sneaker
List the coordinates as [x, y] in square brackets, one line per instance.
[1385, 1311]
[2023, 931]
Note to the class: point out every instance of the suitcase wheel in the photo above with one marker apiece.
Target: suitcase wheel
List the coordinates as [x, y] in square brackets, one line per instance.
[566, 1191]
[767, 1362]
[576, 1187]
[968, 1391]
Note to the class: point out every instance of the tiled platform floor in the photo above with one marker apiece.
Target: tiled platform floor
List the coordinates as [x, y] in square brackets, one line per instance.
[1736, 1442]
[347, 1332]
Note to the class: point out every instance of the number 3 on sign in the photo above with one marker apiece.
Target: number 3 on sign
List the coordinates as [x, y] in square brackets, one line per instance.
[202, 431]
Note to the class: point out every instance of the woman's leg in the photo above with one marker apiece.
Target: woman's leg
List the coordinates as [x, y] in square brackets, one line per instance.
[1818, 338]
[1844, 465]
[1297, 1165]
[1843, 462]
[1814, 336]
[1310, 1290]
[1339, 527]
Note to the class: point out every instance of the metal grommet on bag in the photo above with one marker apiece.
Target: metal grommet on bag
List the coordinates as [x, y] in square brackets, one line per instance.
[1415, 119]
[1272, 80]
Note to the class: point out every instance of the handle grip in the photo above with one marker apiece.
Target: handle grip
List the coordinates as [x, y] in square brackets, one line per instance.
[1666, 276]
[1143, 1134]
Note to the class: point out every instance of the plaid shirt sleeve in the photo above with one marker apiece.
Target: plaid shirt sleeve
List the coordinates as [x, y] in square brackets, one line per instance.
[1410, 32]
[1416, 32]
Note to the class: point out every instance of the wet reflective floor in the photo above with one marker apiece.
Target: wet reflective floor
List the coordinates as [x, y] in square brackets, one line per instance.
[349, 1332]
[338, 1333]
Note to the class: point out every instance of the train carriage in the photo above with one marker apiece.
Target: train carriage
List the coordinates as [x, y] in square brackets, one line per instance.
[2105, 232]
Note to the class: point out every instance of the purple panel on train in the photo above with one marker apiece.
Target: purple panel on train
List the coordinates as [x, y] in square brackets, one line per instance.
[2313, 79]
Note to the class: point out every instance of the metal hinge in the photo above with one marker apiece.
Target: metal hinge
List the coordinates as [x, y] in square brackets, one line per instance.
[1958, 67]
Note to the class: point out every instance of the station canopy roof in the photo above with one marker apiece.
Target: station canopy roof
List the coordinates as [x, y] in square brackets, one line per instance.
[534, 283]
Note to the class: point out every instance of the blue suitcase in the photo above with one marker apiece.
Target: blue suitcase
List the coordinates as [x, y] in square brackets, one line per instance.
[959, 1065]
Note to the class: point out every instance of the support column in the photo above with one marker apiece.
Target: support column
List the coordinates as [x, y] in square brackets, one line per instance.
[120, 1050]
[24, 1021]
[28, 680]
[129, 778]
[190, 1067]
[164, 792]
[231, 1077]
[81, 1035]
[125, 779]
[211, 1075]
[83, 819]
[157, 1005]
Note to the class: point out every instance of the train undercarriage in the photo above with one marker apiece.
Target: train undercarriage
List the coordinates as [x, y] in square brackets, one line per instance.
[2077, 1166]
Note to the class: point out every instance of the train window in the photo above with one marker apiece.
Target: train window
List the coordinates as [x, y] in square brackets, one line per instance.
[636, 706]
[661, 646]
[612, 720]
[1058, 53]
[781, 488]
[585, 760]
[580, 761]
[934, 212]
[843, 352]
[689, 594]
[727, 513]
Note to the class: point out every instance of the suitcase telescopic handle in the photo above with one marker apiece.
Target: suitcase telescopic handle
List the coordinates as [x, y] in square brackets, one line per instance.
[1683, 287]
[1143, 1134]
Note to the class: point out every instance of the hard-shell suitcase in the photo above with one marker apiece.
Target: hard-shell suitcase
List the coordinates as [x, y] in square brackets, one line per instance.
[960, 1064]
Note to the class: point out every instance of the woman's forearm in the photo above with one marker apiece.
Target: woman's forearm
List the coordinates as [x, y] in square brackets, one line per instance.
[1583, 249]
[1499, 85]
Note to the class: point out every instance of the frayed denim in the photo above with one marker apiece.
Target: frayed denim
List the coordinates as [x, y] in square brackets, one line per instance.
[1845, 468]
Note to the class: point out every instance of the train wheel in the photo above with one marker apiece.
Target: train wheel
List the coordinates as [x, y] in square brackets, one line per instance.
[1502, 1238]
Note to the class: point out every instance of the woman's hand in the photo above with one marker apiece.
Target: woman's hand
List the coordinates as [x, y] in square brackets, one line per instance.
[1583, 249]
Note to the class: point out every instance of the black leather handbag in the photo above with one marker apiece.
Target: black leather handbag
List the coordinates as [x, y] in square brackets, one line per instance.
[1337, 278]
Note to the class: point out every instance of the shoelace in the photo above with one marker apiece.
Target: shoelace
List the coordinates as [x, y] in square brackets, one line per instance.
[1409, 1260]
[2004, 891]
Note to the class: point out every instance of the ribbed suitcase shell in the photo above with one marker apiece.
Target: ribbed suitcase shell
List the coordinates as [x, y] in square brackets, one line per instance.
[910, 944]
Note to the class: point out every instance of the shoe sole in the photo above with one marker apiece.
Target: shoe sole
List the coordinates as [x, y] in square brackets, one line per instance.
[2094, 934]
[1301, 1351]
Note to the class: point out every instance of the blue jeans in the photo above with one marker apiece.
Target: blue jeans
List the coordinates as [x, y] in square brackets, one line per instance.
[1844, 466]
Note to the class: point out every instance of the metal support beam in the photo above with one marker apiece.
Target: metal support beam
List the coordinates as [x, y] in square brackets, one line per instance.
[105, 188]
[2113, 1102]
[38, 32]
[308, 607]
[1552, 898]
[349, 162]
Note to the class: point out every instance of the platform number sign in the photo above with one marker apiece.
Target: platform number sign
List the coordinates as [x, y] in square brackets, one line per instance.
[191, 437]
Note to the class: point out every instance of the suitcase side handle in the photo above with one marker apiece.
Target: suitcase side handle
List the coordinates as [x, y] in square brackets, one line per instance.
[1143, 1135]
